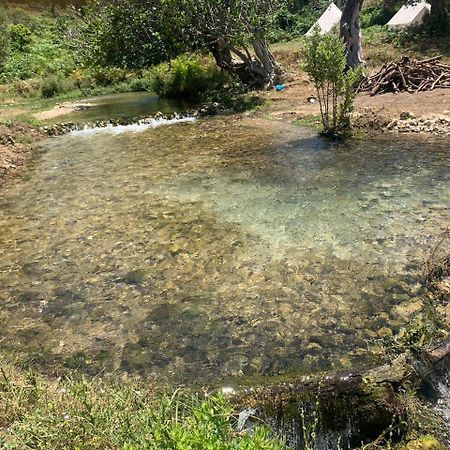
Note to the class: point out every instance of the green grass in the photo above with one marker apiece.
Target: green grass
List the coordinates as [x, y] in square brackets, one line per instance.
[312, 121]
[38, 413]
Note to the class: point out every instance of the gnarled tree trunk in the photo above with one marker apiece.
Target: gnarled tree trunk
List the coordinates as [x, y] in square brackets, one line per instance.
[260, 70]
[272, 70]
[351, 32]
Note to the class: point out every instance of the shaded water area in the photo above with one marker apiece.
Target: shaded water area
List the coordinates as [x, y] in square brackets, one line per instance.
[218, 249]
[124, 106]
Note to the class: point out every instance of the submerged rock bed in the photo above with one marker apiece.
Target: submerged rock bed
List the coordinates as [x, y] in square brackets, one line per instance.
[222, 248]
[62, 128]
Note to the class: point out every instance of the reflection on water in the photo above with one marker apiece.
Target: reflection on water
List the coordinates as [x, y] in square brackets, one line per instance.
[220, 248]
[125, 106]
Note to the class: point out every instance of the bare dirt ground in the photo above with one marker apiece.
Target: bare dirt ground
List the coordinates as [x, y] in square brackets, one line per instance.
[59, 110]
[293, 103]
[15, 148]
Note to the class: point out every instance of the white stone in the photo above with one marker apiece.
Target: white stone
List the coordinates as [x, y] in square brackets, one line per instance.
[227, 390]
[410, 14]
[328, 20]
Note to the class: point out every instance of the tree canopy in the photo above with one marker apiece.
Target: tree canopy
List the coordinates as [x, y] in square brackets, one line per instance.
[135, 34]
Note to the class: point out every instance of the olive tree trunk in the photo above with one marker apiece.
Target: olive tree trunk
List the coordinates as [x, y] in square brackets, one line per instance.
[351, 32]
[271, 69]
[258, 70]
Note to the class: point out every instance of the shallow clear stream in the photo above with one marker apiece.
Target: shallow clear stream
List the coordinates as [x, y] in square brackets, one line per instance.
[222, 248]
[124, 106]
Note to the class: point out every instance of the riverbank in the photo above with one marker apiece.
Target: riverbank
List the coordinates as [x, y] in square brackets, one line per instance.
[421, 113]
[17, 140]
[43, 414]
[424, 112]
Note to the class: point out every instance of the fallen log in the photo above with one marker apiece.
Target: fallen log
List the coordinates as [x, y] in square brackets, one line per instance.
[436, 354]
[350, 407]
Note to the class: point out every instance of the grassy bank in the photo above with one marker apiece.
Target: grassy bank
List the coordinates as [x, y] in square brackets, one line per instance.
[38, 413]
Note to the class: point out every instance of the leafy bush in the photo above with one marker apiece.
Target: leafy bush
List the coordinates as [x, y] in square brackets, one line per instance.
[128, 33]
[20, 36]
[295, 19]
[37, 47]
[52, 86]
[107, 76]
[27, 88]
[108, 80]
[185, 76]
[41, 59]
[326, 65]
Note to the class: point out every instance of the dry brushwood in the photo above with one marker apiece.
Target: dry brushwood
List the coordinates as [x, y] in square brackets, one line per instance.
[438, 264]
[408, 75]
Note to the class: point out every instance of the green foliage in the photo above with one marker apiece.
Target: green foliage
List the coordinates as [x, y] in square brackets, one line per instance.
[4, 39]
[27, 88]
[297, 19]
[52, 85]
[20, 36]
[378, 13]
[128, 34]
[86, 414]
[326, 65]
[37, 48]
[185, 76]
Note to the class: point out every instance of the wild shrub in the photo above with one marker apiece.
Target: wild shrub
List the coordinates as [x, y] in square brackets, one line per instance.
[52, 85]
[335, 83]
[27, 88]
[20, 36]
[107, 76]
[377, 14]
[184, 76]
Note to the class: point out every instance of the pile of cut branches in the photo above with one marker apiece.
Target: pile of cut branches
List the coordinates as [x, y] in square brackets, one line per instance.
[408, 75]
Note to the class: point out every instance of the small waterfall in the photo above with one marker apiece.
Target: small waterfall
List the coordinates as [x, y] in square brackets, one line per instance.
[119, 126]
[132, 128]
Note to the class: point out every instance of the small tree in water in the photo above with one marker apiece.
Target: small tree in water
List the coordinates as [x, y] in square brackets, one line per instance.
[326, 64]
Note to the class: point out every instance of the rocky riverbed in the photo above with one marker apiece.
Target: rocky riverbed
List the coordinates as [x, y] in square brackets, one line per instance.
[408, 123]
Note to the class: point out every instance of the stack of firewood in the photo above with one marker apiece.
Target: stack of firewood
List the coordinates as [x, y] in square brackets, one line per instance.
[408, 75]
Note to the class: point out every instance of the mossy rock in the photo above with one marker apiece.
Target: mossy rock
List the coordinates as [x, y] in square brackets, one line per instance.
[423, 443]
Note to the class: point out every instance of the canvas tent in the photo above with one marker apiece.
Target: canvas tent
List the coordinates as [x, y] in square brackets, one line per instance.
[329, 19]
[410, 14]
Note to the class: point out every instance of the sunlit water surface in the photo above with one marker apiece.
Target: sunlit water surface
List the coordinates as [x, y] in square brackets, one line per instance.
[198, 252]
[124, 106]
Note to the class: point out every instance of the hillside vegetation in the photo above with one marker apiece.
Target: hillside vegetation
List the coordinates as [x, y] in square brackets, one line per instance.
[55, 51]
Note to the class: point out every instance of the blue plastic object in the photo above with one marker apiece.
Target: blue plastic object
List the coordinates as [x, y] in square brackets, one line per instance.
[279, 87]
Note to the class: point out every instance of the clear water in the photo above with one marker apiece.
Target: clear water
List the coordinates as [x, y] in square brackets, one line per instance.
[222, 248]
[124, 106]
